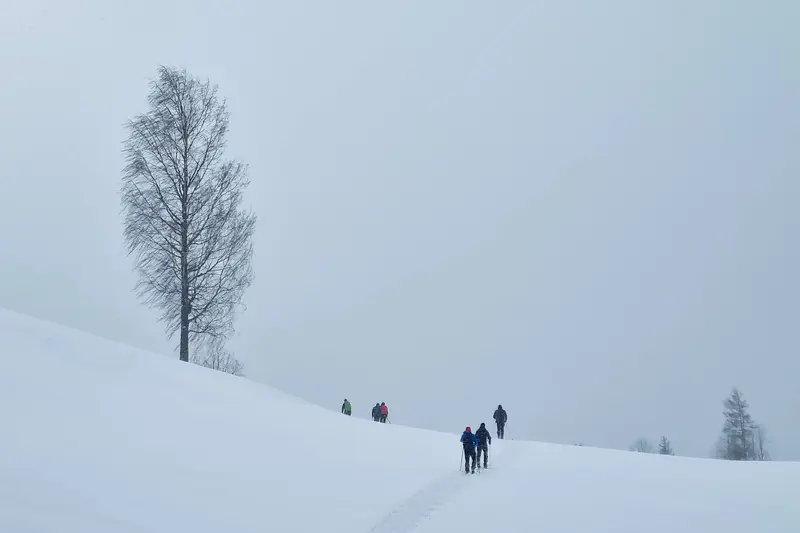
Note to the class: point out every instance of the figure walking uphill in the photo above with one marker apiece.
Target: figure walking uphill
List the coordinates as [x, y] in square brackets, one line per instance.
[500, 418]
[484, 440]
[384, 412]
[469, 442]
[376, 412]
[347, 408]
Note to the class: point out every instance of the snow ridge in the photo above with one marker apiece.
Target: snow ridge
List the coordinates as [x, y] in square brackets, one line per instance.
[103, 438]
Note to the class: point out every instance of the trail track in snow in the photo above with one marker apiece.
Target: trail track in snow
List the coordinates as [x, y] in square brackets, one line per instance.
[424, 503]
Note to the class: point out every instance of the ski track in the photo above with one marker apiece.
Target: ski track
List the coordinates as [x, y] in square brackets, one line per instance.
[424, 503]
[406, 516]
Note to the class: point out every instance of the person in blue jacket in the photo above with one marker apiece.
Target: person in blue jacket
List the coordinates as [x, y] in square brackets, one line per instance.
[470, 442]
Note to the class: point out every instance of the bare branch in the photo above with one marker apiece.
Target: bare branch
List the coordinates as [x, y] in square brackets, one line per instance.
[217, 358]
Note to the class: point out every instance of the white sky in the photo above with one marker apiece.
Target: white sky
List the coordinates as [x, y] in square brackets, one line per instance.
[584, 212]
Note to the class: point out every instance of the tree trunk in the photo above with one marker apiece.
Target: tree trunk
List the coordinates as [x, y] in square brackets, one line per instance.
[185, 307]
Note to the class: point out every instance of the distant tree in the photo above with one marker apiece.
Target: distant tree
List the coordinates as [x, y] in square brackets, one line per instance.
[183, 223]
[665, 447]
[737, 442]
[642, 445]
[216, 357]
[759, 446]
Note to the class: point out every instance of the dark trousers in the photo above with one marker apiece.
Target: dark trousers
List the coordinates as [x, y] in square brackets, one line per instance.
[485, 449]
[469, 452]
[376, 418]
[383, 418]
[501, 430]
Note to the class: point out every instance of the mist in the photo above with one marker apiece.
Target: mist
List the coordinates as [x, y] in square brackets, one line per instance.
[584, 213]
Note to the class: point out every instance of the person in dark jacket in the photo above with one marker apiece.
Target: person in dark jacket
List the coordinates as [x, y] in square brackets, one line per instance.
[347, 408]
[500, 418]
[484, 440]
[376, 412]
[469, 443]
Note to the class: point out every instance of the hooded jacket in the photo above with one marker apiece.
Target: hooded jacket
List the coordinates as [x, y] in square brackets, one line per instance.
[483, 436]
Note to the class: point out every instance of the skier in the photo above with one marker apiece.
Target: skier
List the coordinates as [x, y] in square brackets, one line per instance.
[384, 412]
[500, 418]
[484, 440]
[469, 442]
[346, 408]
[376, 412]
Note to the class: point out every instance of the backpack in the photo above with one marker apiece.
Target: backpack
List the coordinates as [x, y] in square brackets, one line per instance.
[468, 440]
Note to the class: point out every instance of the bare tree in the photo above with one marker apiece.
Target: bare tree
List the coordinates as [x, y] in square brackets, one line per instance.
[642, 445]
[665, 447]
[216, 357]
[760, 452]
[183, 223]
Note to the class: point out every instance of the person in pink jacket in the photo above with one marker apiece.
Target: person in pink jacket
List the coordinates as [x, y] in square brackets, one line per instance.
[384, 412]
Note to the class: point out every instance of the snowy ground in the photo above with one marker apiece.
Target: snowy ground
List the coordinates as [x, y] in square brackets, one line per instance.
[99, 437]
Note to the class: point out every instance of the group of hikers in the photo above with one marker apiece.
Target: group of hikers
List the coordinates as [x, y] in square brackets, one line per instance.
[379, 413]
[477, 444]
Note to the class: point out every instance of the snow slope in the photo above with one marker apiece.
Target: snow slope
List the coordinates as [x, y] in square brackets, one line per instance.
[100, 437]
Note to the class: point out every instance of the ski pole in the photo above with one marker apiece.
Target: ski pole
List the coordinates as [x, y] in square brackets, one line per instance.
[460, 461]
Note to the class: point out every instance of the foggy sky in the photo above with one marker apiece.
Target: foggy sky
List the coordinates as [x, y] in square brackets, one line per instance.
[585, 211]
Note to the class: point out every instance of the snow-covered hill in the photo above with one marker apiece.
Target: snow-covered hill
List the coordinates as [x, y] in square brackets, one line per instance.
[99, 438]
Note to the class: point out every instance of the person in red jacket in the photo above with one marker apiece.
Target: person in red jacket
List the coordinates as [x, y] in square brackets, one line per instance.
[469, 442]
[384, 412]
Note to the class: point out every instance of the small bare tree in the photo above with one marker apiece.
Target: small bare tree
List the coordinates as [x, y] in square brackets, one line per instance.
[216, 357]
[642, 445]
[760, 444]
[183, 223]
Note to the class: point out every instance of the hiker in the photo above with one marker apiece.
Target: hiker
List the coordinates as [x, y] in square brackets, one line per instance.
[384, 412]
[469, 442]
[500, 418]
[347, 408]
[376, 412]
[484, 440]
